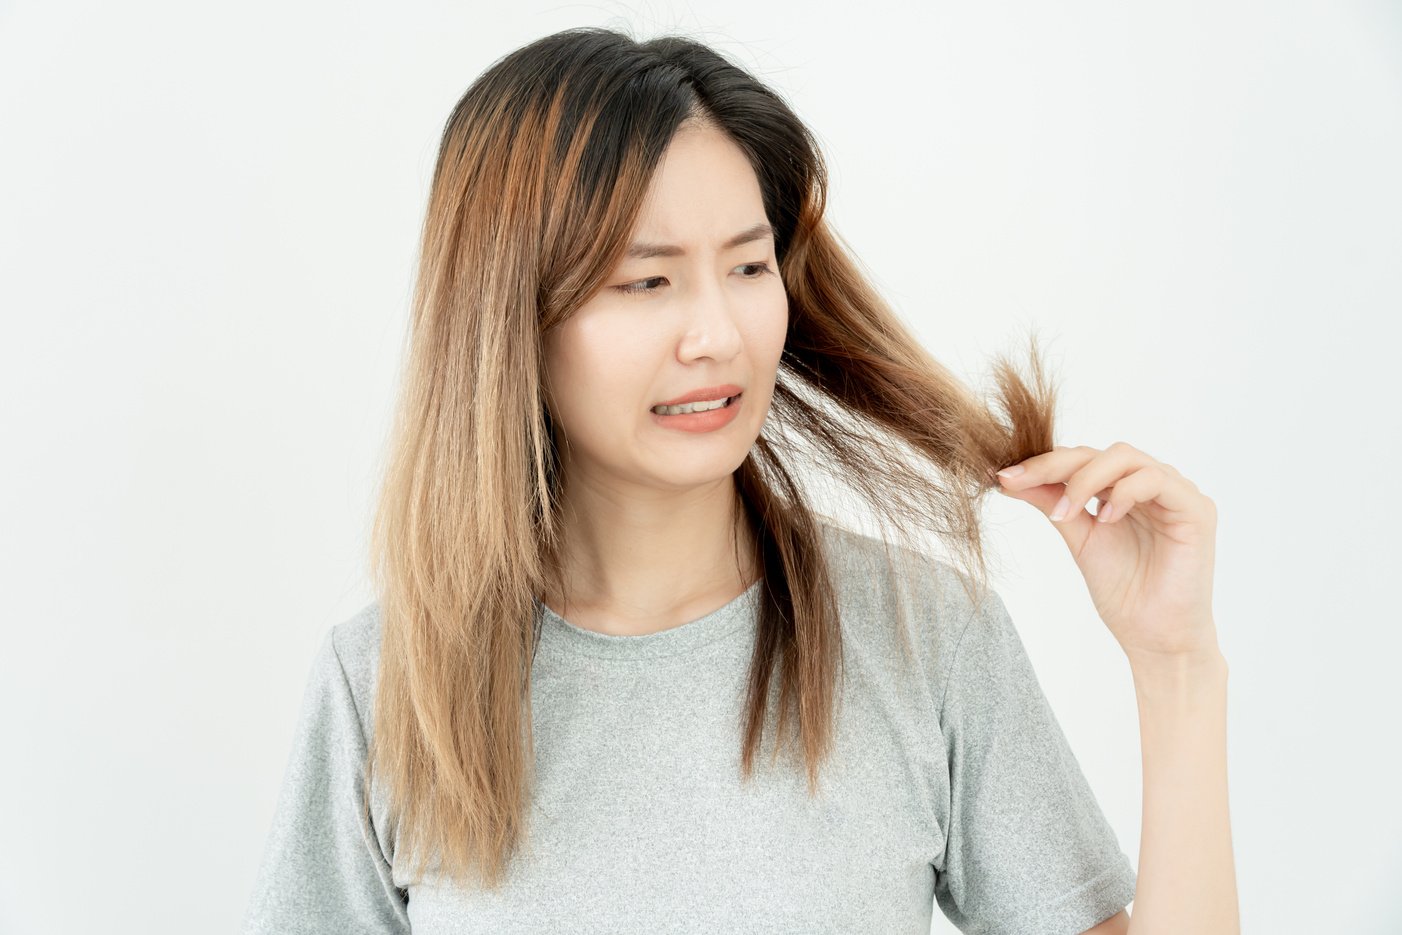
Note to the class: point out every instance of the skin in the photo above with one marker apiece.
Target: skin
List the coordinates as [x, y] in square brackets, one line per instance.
[1147, 558]
[650, 513]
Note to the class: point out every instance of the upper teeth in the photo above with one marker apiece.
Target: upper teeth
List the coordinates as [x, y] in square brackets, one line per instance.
[690, 407]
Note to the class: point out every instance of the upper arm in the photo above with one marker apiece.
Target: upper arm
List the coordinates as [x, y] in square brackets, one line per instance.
[1028, 849]
[1117, 924]
[323, 868]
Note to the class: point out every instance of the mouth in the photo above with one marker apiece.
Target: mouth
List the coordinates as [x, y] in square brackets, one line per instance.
[697, 407]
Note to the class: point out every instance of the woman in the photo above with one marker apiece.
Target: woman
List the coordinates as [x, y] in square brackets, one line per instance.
[603, 590]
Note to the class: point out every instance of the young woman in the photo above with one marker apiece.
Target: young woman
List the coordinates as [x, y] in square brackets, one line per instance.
[604, 593]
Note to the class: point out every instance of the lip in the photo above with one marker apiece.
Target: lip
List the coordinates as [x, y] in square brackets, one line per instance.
[725, 391]
[700, 422]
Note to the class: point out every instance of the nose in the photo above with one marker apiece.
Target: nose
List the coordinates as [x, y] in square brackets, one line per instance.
[709, 324]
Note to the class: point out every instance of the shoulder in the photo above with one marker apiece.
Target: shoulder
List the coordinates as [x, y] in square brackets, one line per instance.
[351, 651]
[881, 582]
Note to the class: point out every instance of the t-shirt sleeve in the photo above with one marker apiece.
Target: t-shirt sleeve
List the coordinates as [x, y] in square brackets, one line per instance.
[323, 868]
[1028, 850]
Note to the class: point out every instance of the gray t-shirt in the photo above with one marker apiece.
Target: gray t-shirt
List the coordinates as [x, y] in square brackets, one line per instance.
[951, 784]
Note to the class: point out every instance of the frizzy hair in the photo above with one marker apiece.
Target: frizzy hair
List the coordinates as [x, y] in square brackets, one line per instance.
[541, 172]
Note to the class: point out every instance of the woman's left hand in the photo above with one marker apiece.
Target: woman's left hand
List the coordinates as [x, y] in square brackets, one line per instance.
[1149, 565]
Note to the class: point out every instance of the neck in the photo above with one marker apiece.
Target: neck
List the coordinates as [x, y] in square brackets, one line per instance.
[642, 557]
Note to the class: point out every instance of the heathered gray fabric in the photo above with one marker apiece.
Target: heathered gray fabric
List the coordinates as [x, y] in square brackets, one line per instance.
[951, 784]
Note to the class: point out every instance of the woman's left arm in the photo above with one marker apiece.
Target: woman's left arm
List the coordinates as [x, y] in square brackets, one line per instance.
[1147, 558]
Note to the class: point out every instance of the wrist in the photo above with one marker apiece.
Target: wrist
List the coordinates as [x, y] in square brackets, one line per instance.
[1177, 672]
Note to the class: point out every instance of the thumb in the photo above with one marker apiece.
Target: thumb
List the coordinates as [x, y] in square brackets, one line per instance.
[1044, 496]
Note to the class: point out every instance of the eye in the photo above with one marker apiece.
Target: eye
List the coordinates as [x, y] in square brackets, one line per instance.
[637, 288]
[641, 286]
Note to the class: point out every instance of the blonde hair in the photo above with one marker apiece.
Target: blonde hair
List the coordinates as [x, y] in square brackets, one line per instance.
[541, 171]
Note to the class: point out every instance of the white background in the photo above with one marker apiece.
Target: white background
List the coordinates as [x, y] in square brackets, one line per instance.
[208, 216]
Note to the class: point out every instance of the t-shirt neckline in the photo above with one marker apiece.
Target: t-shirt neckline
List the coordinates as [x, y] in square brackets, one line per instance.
[682, 638]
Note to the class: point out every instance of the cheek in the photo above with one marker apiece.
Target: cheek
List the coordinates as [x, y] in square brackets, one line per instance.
[593, 366]
[609, 354]
[767, 330]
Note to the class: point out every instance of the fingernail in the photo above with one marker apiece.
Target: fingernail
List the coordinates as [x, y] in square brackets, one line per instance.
[1013, 471]
[1062, 506]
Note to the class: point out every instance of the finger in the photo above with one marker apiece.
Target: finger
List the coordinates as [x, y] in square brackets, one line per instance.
[1166, 489]
[1104, 470]
[1049, 467]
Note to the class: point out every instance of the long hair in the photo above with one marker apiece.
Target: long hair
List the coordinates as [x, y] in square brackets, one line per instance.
[542, 169]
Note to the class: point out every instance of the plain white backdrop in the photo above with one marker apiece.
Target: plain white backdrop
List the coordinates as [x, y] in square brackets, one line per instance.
[208, 217]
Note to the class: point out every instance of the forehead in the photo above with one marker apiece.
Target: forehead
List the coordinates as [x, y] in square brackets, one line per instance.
[703, 194]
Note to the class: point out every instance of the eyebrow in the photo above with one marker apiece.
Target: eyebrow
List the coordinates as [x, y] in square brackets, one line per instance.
[641, 251]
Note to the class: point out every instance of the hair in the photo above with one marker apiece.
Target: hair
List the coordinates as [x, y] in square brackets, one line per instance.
[541, 172]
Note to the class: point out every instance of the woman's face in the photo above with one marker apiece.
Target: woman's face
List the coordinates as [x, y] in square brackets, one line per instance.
[708, 311]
